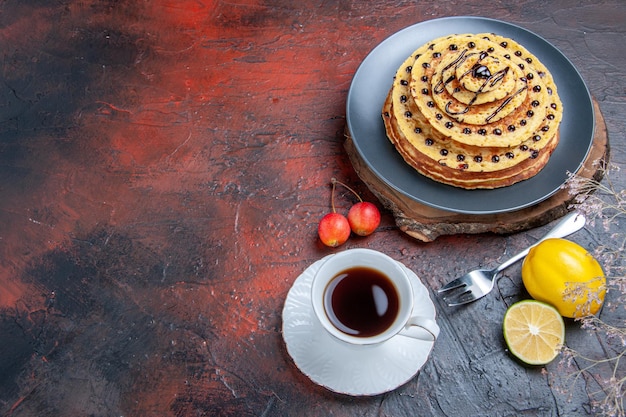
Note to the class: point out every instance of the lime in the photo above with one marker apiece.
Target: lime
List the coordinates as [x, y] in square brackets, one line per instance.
[534, 331]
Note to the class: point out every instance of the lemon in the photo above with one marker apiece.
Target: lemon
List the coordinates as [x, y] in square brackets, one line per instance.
[566, 276]
[533, 331]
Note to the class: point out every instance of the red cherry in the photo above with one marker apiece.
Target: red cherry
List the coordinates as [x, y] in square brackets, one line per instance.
[334, 229]
[364, 218]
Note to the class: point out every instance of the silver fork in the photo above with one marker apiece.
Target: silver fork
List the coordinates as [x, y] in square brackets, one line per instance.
[478, 283]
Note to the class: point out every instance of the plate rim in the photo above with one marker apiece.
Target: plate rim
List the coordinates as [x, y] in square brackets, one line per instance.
[572, 70]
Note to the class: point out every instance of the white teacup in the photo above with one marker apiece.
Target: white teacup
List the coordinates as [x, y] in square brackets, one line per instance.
[364, 297]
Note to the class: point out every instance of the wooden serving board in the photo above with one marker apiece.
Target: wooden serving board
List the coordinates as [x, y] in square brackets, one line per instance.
[426, 223]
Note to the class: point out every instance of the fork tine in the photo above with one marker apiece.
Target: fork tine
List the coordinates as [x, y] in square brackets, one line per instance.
[465, 297]
[456, 283]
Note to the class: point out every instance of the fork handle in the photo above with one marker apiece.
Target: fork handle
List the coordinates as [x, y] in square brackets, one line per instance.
[571, 223]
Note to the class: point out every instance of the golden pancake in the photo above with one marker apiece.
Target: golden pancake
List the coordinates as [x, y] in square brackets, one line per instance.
[474, 111]
[436, 169]
[445, 149]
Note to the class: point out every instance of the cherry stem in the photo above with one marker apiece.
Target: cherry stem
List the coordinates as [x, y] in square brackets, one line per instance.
[335, 181]
[332, 197]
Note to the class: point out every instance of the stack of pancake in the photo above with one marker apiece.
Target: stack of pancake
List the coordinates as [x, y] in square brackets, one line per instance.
[473, 111]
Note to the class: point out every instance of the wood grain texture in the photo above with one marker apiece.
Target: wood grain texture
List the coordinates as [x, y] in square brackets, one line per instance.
[163, 168]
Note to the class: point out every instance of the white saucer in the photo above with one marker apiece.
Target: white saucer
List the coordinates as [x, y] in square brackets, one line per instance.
[346, 369]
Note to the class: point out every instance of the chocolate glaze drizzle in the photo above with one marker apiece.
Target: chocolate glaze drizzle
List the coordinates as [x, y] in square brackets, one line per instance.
[478, 70]
[504, 103]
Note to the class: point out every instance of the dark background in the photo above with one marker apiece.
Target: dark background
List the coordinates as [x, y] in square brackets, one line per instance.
[163, 167]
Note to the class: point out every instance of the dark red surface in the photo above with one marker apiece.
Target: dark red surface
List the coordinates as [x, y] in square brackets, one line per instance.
[163, 167]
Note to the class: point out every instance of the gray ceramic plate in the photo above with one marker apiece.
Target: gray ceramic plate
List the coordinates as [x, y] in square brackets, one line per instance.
[373, 79]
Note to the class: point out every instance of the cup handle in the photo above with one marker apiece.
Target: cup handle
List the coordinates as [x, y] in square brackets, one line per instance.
[427, 329]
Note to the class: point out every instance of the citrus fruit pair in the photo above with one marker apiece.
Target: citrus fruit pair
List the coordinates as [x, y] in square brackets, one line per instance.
[564, 280]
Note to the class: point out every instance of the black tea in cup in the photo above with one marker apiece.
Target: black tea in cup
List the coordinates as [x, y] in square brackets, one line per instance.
[361, 302]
